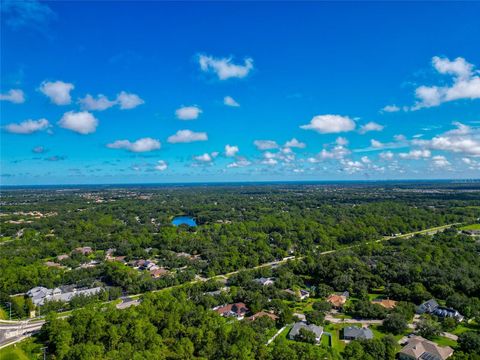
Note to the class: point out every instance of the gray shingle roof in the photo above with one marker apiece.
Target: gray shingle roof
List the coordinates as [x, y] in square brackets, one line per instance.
[317, 330]
[355, 332]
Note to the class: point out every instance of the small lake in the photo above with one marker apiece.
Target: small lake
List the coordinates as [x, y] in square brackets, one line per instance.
[184, 220]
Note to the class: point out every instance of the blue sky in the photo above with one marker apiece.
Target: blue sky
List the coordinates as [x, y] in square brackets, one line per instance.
[118, 92]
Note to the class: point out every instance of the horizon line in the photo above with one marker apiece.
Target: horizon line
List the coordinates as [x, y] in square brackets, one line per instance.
[258, 182]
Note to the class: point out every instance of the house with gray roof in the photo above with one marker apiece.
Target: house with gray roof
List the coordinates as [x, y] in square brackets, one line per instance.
[264, 281]
[427, 307]
[317, 330]
[357, 333]
[40, 294]
[432, 307]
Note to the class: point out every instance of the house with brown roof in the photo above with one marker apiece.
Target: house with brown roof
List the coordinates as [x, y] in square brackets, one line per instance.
[237, 310]
[85, 250]
[419, 348]
[53, 264]
[119, 259]
[260, 314]
[337, 300]
[156, 273]
[386, 303]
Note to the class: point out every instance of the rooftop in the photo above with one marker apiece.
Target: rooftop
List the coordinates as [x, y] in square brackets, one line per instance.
[317, 330]
[420, 348]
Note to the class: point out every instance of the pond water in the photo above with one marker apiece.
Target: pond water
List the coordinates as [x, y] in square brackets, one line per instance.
[184, 220]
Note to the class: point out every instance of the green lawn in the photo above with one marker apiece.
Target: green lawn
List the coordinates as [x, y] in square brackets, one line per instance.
[471, 227]
[284, 333]
[25, 350]
[374, 296]
[443, 341]
[464, 327]
[336, 330]
[325, 341]
[303, 306]
[3, 314]
[378, 333]
[13, 353]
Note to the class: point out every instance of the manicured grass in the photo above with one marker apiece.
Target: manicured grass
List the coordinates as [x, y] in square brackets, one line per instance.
[13, 353]
[378, 333]
[284, 333]
[374, 296]
[28, 349]
[335, 330]
[443, 341]
[471, 227]
[464, 327]
[325, 341]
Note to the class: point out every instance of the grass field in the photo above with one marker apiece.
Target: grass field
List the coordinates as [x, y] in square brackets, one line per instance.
[378, 334]
[26, 350]
[471, 227]
[335, 330]
[443, 341]
[464, 327]
[3, 314]
[13, 353]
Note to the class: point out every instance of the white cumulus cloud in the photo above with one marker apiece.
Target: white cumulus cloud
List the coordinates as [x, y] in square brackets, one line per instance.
[328, 124]
[294, 143]
[471, 163]
[140, 145]
[376, 144]
[57, 91]
[462, 139]
[188, 112]
[205, 158]
[224, 68]
[386, 155]
[270, 161]
[390, 108]
[161, 165]
[187, 136]
[124, 100]
[81, 122]
[265, 144]
[28, 126]
[371, 126]
[229, 101]
[440, 161]
[231, 150]
[416, 154]
[240, 162]
[128, 101]
[465, 83]
[99, 104]
[15, 96]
